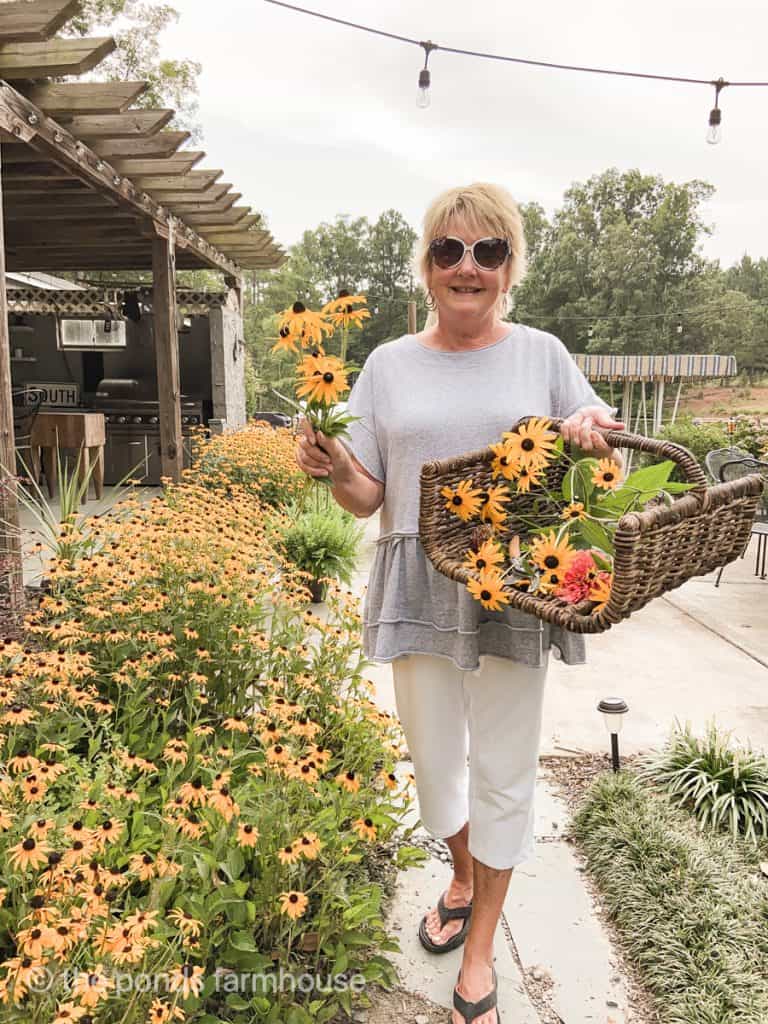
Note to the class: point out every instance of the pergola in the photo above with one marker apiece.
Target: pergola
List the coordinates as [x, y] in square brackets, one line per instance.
[629, 370]
[89, 182]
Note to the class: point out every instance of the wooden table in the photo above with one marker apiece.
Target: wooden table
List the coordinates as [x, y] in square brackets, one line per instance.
[83, 431]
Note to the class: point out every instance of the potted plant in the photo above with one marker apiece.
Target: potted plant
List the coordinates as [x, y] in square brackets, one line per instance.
[322, 543]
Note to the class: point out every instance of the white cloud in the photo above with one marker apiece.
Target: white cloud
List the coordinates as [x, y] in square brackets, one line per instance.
[310, 119]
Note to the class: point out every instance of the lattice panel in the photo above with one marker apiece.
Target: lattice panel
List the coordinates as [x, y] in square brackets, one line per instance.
[93, 301]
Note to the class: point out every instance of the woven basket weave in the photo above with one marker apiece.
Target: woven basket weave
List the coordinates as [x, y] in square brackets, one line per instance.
[656, 550]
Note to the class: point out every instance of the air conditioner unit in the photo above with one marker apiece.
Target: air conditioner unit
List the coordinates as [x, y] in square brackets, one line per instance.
[92, 334]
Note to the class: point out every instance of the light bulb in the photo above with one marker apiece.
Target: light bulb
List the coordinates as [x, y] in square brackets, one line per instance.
[714, 132]
[423, 98]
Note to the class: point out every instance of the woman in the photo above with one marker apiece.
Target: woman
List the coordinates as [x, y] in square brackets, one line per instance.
[467, 682]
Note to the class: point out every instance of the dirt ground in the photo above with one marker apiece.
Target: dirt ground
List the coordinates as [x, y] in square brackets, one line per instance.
[714, 401]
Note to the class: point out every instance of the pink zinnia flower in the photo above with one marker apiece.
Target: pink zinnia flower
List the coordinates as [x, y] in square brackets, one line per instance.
[581, 574]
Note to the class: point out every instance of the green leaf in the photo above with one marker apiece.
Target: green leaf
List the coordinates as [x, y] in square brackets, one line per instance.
[243, 941]
[577, 482]
[595, 535]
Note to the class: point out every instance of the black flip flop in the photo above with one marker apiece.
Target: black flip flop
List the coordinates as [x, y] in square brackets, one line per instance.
[471, 1011]
[446, 914]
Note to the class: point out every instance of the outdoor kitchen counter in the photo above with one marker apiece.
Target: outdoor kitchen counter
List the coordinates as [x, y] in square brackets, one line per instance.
[83, 431]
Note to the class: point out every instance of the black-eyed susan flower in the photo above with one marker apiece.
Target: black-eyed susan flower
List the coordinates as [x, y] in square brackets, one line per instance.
[303, 323]
[365, 829]
[69, 1013]
[488, 556]
[90, 987]
[322, 380]
[310, 845]
[341, 312]
[293, 903]
[236, 724]
[28, 853]
[389, 779]
[504, 462]
[533, 442]
[348, 781]
[185, 922]
[493, 501]
[464, 501]
[186, 979]
[552, 555]
[162, 1012]
[573, 511]
[247, 835]
[289, 854]
[600, 591]
[527, 477]
[607, 474]
[489, 590]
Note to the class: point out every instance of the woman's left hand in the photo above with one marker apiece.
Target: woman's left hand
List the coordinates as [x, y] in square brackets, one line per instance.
[579, 430]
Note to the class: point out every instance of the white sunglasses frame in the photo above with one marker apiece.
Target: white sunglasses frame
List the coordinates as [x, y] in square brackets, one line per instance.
[471, 250]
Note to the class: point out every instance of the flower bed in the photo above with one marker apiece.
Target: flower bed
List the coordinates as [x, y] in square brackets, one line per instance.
[193, 781]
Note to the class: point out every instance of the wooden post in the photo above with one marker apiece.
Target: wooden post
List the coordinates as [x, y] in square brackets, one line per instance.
[167, 355]
[11, 568]
[412, 328]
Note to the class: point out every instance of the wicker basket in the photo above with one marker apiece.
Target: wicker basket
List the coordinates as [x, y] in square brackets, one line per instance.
[656, 550]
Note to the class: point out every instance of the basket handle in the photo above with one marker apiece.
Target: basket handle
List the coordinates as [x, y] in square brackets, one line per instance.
[685, 459]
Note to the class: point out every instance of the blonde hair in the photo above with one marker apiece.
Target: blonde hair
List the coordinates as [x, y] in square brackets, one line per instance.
[483, 206]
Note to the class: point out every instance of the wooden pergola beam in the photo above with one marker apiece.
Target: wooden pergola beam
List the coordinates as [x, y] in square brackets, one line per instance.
[167, 357]
[118, 126]
[179, 163]
[234, 215]
[183, 206]
[70, 98]
[24, 22]
[159, 146]
[212, 194]
[193, 181]
[209, 227]
[53, 58]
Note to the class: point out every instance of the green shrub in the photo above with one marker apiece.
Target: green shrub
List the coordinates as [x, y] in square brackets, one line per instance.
[698, 438]
[690, 906]
[323, 543]
[720, 785]
[750, 436]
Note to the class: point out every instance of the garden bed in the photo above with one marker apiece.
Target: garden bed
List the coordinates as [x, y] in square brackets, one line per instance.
[194, 781]
[687, 909]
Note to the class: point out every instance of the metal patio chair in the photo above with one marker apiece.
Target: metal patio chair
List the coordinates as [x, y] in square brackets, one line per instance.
[733, 470]
[717, 458]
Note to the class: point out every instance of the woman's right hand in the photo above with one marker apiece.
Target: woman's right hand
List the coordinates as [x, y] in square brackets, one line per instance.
[318, 455]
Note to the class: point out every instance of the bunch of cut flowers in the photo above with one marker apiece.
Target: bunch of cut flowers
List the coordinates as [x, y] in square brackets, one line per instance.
[558, 541]
[321, 379]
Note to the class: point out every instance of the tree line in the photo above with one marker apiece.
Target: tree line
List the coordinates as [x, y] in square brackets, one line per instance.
[618, 268]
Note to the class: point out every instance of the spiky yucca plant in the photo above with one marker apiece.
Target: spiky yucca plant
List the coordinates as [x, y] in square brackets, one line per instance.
[721, 785]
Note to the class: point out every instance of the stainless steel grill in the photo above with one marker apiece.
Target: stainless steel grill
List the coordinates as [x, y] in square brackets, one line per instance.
[133, 433]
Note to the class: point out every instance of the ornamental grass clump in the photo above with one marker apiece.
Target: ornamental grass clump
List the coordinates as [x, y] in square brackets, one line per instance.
[722, 786]
[690, 906]
[558, 544]
[194, 780]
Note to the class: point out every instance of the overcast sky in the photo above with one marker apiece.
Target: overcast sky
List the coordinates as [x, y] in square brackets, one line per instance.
[310, 119]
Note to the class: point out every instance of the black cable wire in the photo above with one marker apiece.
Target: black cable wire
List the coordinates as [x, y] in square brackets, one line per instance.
[511, 60]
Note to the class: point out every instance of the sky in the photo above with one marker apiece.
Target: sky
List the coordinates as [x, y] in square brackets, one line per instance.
[311, 119]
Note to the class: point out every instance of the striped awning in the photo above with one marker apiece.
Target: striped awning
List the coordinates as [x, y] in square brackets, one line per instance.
[602, 366]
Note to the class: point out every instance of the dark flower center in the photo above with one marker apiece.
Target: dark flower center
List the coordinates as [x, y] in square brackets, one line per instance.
[528, 444]
[299, 307]
[456, 499]
[328, 377]
[481, 563]
[486, 595]
[551, 561]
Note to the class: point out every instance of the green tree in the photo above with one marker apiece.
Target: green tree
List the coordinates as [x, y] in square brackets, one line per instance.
[136, 26]
[618, 252]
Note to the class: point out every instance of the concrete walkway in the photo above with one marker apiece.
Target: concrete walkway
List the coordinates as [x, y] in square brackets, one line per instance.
[698, 653]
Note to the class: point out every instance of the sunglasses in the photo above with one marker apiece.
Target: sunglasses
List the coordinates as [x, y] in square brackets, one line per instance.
[487, 253]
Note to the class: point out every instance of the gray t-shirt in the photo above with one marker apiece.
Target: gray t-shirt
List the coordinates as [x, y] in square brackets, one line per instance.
[417, 404]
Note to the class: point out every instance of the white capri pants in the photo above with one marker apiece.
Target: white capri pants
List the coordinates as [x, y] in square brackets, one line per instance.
[493, 715]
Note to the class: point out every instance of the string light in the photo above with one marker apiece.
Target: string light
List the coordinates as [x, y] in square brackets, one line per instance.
[714, 133]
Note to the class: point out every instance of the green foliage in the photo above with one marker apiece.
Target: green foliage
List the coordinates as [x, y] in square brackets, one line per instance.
[136, 26]
[720, 785]
[698, 438]
[625, 247]
[323, 542]
[751, 436]
[690, 906]
[361, 256]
